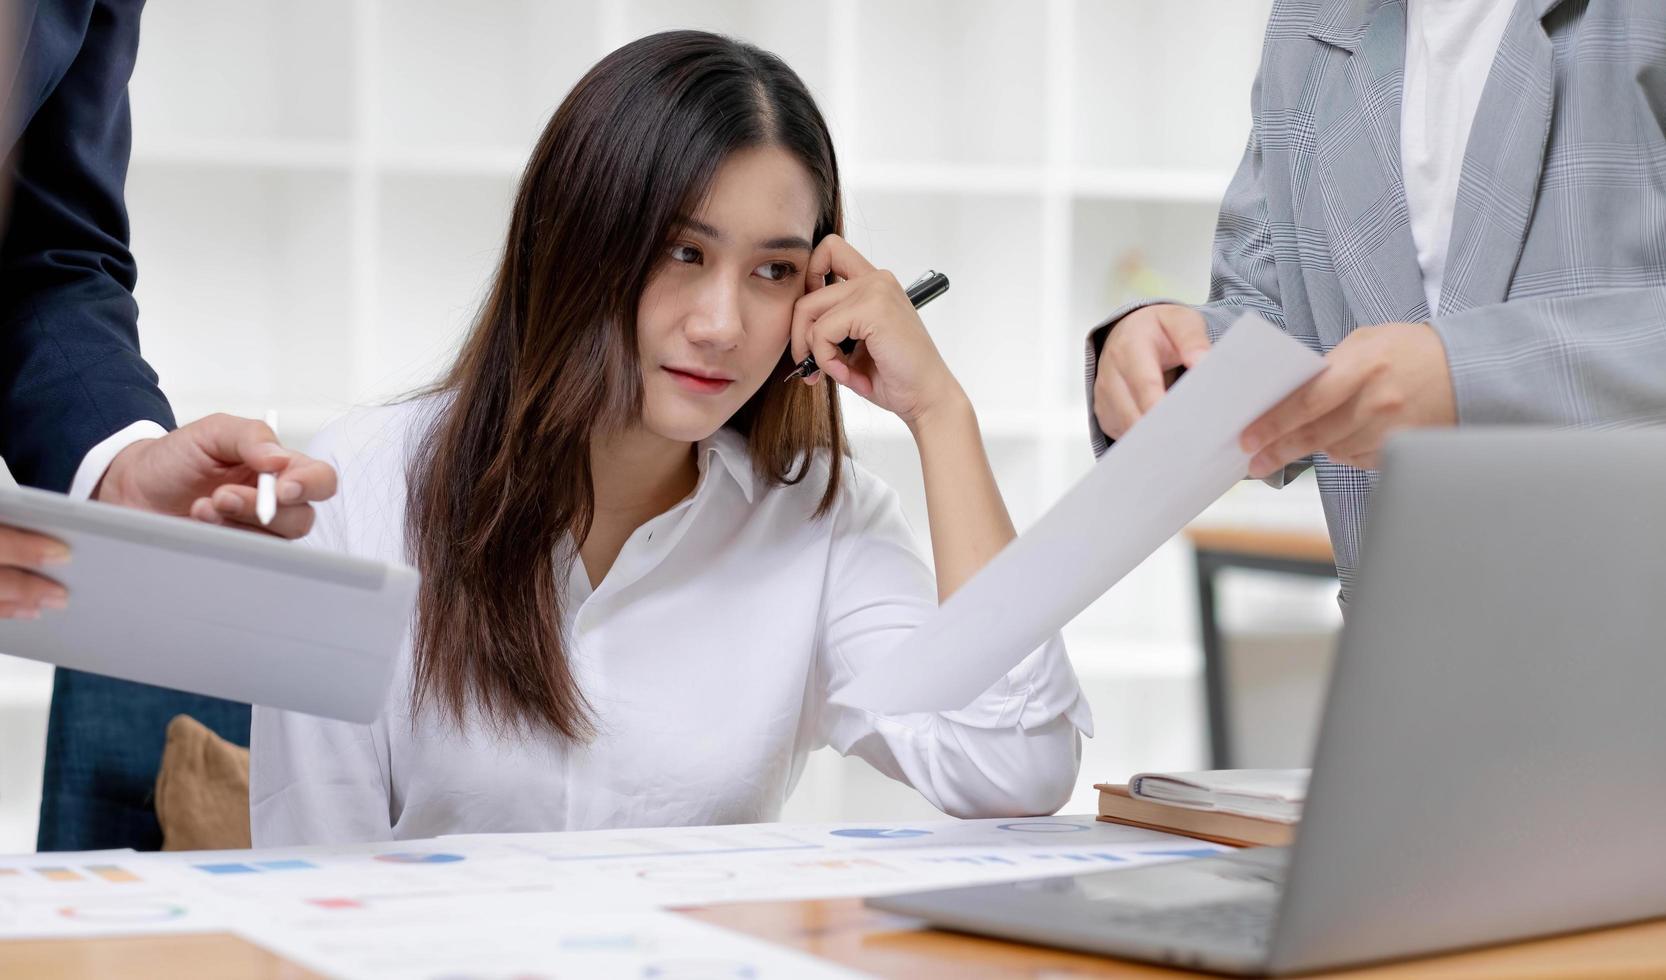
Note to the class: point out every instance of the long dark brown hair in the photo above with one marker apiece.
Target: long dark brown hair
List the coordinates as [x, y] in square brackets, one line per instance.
[500, 493]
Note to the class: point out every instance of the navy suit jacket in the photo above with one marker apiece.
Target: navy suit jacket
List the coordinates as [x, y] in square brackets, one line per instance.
[70, 370]
[71, 376]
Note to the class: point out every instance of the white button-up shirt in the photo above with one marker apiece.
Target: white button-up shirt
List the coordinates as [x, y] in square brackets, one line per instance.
[707, 654]
[1450, 48]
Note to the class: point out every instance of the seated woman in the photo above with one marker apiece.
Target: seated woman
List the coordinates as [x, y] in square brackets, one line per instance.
[646, 560]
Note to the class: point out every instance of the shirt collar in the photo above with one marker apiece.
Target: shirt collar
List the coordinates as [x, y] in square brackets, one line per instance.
[730, 449]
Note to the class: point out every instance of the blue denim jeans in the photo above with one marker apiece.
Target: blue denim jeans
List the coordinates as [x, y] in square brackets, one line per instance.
[103, 748]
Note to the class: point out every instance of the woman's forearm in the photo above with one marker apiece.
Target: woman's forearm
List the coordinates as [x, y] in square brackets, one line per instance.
[968, 518]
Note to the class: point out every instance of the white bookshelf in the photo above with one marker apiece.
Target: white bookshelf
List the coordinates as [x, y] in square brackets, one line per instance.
[314, 227]
[319, 189]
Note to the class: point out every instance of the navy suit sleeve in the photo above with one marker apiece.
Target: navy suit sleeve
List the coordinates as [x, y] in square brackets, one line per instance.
[70, 369]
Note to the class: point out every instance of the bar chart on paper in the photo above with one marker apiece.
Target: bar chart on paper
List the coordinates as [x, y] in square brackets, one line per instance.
[95, 892]
[113, 874]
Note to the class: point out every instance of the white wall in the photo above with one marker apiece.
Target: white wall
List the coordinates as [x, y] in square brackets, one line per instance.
[319, 188]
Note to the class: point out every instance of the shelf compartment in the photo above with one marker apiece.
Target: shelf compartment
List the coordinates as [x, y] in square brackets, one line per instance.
[254, 70]
[244, 284]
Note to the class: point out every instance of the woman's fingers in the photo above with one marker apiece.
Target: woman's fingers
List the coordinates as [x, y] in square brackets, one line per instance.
[823, 336]
[837, 256]
[812, 307]
[865, 305]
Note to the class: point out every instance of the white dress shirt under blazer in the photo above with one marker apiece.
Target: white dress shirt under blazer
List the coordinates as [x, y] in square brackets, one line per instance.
[707, 652]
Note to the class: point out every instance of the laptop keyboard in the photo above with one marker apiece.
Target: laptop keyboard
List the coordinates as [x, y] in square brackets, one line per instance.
[1237, 923]
[1244, 922]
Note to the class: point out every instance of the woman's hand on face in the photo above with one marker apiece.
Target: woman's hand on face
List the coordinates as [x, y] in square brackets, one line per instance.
[897, 367]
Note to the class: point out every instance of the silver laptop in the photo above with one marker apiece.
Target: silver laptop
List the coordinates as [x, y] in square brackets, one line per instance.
[1492, 761]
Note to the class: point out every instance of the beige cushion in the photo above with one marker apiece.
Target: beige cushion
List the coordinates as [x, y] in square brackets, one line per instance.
[202, 791]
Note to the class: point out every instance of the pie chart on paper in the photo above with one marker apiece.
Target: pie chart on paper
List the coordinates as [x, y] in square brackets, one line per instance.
[1043, 827]
[880, 833]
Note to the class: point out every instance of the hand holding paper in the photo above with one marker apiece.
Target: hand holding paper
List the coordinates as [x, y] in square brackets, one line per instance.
[1379, 380]
[1173, 463]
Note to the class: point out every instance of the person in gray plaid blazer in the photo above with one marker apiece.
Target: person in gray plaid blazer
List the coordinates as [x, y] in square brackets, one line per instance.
[1552, 306]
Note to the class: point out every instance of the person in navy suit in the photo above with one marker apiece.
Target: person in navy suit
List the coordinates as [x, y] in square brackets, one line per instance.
[81, 412]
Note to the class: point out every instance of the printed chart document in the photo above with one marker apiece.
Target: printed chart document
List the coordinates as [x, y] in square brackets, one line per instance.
[684, 866]
[583, 903]
[101, 893]
[513, 938]
[1171, 465]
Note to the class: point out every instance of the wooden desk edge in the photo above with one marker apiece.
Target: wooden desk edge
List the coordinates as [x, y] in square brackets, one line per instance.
[171, 956]
[1295, 545]
[849, 933]
[846, 932]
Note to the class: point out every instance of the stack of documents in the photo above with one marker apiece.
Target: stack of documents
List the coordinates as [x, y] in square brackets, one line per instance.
[1117, 805]
[1267, 794]
[1242, 807]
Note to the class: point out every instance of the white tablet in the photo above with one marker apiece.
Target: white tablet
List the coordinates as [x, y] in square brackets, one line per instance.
[217, 611]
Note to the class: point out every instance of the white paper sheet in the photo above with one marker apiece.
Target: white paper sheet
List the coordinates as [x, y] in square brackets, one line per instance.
[571, 873]
[1171, 465]
[682, 866]
[588, 904]
[444, 886]
[513, 938]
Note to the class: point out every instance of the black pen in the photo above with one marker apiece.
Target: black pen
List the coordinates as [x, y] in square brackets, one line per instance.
[925, 289]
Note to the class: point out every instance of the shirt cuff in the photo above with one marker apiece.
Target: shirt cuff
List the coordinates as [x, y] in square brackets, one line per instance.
[99, 457]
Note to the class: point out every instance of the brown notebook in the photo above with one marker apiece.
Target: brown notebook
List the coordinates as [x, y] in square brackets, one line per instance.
[1116, 806]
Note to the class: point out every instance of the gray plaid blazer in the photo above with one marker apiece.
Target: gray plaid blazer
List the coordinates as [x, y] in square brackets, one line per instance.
[1553, 307]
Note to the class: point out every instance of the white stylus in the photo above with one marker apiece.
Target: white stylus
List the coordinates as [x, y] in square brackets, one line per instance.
[266, 486]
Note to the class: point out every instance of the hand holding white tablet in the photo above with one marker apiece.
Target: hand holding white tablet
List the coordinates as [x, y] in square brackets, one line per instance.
[203, 470]
[207, 609]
